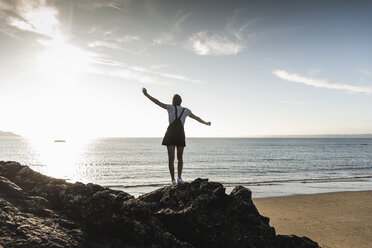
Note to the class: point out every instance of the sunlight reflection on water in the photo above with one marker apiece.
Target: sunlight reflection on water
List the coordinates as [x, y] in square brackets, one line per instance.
[137, 165]
[61, 159]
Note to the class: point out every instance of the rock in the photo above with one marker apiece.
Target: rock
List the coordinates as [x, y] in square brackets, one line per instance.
[40, 211]
[9, 188]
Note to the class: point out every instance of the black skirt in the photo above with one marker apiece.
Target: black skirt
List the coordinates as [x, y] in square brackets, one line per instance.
[175, 135]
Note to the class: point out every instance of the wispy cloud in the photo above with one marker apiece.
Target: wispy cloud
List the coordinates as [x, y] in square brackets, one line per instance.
[35, 16]
[4, 5]
[166, 75]
[128, 38]
[165, 38]
[319, 83]
[127, 43]
[161, 66]
[102, 43]
[20, 24]
[118, 69]
[116, 7]
[239, 26]
[180, 20]
[203, 43]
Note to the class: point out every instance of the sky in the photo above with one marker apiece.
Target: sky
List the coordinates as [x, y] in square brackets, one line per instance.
[253, 68]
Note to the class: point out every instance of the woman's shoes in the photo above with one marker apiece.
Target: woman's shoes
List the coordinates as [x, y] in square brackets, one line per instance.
[179, 181]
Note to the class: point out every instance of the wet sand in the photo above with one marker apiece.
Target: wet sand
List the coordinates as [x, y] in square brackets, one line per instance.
[334, 220]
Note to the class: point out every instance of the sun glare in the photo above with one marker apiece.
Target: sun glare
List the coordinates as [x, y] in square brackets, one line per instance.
[58, 71]
[43, 20]
[60, 159]
[62, 61]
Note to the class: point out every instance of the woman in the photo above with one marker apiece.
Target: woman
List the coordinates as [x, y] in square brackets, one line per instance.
[175, 135]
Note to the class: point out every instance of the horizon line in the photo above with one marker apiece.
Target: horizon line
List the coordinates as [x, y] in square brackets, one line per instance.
[233, 137]
[337, 135]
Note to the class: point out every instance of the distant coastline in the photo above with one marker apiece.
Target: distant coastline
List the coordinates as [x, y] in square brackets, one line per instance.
[6, 134]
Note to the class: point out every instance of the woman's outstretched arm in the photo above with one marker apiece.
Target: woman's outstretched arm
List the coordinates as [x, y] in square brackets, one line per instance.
[154, 100]
[200, 120]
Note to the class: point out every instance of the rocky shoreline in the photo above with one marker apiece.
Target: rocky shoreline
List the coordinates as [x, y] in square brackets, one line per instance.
[40, 211]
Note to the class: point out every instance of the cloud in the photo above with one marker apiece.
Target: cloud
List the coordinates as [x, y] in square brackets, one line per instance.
[99, 4]
[321, 83]
[107, 44]
[111, 35]
[4, 5]
[167, 75]
[117, 69]
[127, 43]
[128, 38]
[161, 66]
[20, 24]
[116, 7]
[165, 38]
[203, 43]
[35, 16]
[181, 20]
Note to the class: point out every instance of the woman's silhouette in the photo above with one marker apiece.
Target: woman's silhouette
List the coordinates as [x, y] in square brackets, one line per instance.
[175, 135]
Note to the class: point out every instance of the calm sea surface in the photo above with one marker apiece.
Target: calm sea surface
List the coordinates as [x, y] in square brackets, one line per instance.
[269, 167]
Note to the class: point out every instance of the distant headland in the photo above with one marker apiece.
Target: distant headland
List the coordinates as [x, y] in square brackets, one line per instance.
[3, 134]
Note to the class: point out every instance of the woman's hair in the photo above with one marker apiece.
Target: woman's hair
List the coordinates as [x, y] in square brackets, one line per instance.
[176, 101]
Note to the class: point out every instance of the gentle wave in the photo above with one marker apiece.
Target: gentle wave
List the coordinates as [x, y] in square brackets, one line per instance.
[300, 180]
[253, 183]
[140, 164]
[137, 185]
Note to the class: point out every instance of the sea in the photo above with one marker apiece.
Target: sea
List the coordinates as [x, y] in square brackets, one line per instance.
[267, 166]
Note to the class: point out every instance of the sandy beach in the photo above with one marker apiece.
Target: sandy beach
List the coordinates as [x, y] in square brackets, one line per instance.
[334, 220]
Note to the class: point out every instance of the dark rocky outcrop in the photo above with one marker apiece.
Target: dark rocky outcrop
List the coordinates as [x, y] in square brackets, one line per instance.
[40, 211]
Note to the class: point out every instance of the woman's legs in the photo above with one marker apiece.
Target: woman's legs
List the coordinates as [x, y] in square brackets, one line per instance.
[171, 154]
[171, 160]
[180, 160]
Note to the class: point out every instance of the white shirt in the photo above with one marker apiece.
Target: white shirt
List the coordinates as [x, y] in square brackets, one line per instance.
[172, 113]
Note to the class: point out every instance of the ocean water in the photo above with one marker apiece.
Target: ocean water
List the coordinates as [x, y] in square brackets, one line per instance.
[269, 167]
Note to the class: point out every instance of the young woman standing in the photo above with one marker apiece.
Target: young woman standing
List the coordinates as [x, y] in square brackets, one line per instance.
[175, 135]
